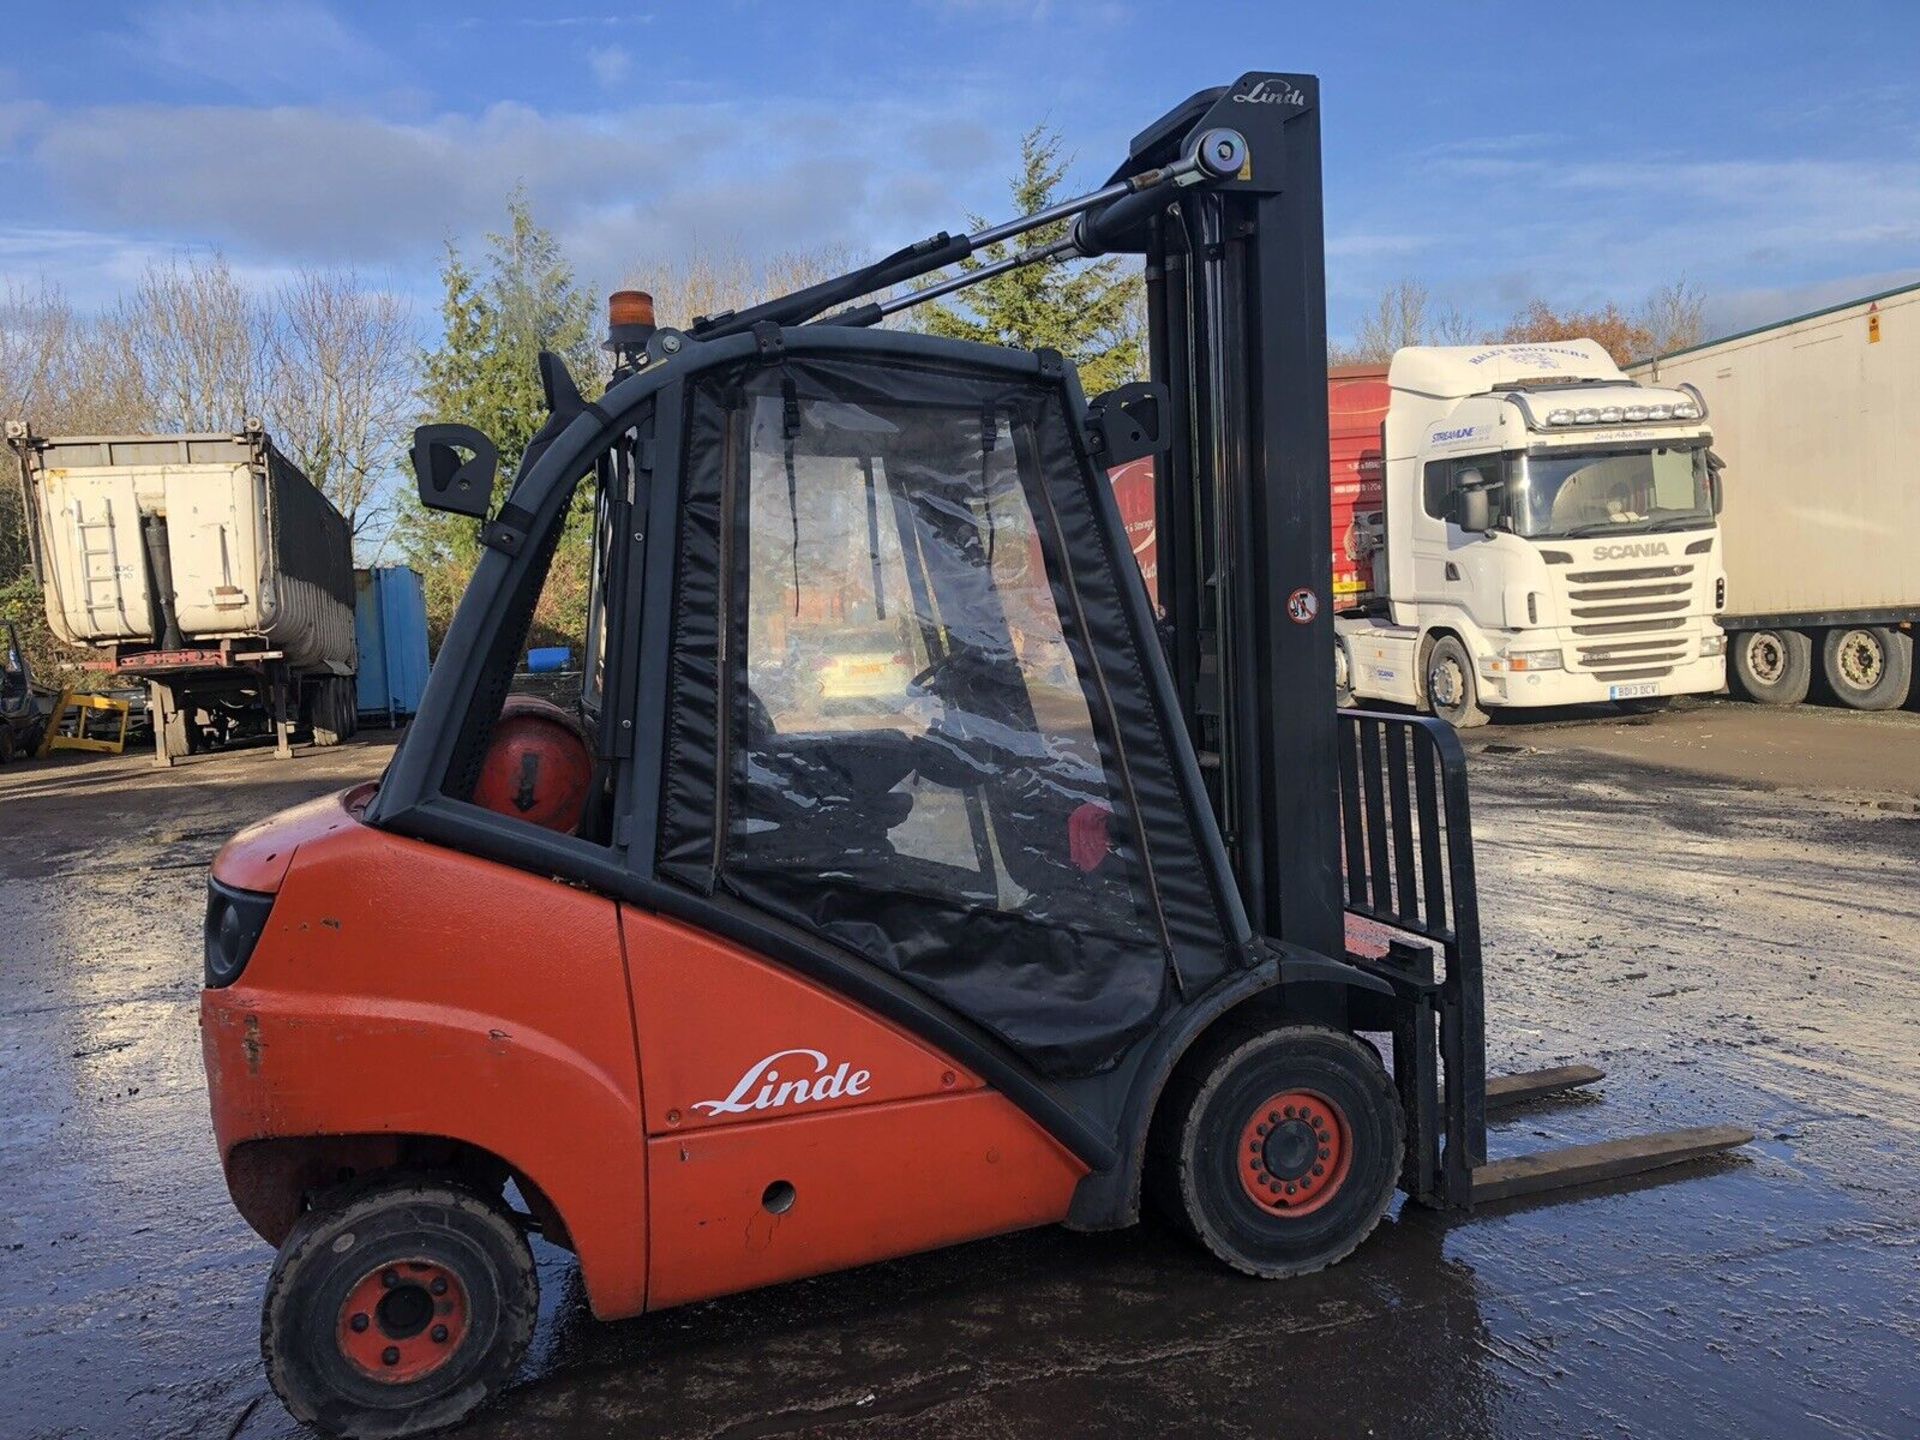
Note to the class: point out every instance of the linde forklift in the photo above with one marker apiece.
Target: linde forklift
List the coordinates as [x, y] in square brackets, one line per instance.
[768, 957]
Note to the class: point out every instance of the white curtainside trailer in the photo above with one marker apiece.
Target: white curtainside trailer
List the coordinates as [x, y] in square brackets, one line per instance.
[207, 565]
[1817, 421]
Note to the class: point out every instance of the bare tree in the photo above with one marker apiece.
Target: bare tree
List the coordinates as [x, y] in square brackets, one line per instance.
[720, 278]
[1675, 316]
[1400, 317]
[340, 369]
[58, 370]
[1617, 332]
[198, 342]
[1453, 326]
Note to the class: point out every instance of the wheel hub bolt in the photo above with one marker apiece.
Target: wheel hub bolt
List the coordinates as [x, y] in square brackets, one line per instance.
[359, 1323]
[390, 1355]
[439, 1334]
[439, 1286]
[390, 1278]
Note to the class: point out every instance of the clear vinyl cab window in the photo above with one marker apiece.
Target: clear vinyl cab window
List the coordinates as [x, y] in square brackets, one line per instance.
[537, 744]
[892, 733]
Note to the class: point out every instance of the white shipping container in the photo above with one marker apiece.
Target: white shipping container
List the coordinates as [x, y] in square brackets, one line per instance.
[1818, 420]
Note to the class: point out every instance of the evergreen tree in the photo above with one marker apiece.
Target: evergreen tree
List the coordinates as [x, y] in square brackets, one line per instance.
[485, 370]
[1089, 312]
[485, 373]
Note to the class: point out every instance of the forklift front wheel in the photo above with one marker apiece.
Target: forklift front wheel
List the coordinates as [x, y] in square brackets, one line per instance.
[1287, 1148]
[397, 1307]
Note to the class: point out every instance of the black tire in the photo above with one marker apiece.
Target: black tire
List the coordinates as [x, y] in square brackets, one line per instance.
[395, 1239]
[6, 742]
[1452, 692]
[1221, 1099]
[1868, 667]
[1772, 667]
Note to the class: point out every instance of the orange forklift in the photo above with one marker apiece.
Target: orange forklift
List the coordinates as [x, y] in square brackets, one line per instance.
[719, 976]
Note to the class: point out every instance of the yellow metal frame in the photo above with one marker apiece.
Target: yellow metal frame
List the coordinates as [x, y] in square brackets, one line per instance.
[83, 704]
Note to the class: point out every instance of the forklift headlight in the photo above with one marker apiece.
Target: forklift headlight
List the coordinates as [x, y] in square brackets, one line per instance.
[1519, 661]
[235, 919]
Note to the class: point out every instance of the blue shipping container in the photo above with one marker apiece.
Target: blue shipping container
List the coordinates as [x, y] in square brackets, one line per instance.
[390, 627]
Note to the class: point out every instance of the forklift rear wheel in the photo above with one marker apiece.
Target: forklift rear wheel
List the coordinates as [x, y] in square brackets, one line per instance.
[396, 1307]
[1451, 692]
[1285, 1149]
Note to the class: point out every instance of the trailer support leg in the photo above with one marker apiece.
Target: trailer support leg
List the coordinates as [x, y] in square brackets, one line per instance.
[277, 688]
[167, 710]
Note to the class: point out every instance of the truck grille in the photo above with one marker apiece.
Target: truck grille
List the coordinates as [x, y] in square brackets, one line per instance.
[1625, 613]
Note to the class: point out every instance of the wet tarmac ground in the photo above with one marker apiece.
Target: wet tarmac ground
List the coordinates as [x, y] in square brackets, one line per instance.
[1732, 942]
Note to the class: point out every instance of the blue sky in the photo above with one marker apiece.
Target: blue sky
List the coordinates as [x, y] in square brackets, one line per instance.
[1768, 152]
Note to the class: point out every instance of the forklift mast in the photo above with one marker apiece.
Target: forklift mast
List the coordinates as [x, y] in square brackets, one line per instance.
[1236, 285]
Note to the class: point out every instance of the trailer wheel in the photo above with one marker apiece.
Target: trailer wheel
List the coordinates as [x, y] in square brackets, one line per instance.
[1283, 1149]
[1773, 667]
[399, 1306]
[1452, 693]
[1868, 667]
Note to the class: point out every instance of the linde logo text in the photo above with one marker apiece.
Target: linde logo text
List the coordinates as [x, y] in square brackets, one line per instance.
[1266, 92]
[769, 1092]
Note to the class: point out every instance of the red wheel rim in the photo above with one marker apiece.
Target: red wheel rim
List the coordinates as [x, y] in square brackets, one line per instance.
[403, 1321]
[1295, 1151]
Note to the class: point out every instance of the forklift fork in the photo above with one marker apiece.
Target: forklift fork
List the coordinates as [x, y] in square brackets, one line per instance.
[1413, 920]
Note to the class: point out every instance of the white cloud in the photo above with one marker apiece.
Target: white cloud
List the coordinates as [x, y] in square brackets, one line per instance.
[1734, 311]
[264, 52]
[1509, 218]
[610, 65]
[280, 185]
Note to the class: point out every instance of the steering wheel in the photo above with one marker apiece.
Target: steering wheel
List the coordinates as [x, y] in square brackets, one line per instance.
[922, 683]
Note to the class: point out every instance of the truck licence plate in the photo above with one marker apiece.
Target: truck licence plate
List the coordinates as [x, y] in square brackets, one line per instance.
[1631, 692]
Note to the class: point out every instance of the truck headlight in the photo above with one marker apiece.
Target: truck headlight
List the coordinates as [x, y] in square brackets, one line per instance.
[1519, 661]
[1714, 644]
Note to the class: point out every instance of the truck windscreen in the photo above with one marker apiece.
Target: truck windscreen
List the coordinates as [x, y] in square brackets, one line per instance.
[1566, 494]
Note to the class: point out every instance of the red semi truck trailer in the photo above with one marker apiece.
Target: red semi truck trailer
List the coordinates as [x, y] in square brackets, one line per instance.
[1356, 409]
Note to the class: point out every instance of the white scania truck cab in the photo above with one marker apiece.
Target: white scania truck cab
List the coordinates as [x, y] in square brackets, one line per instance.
[1548, 538]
